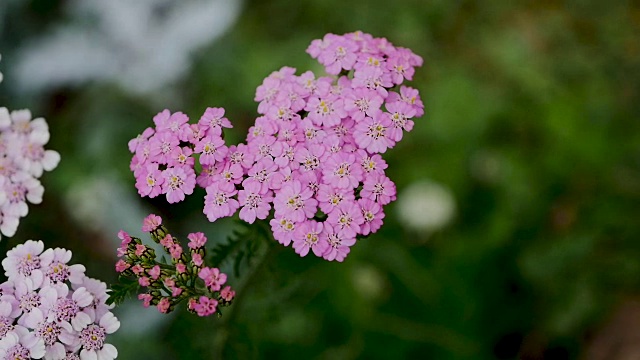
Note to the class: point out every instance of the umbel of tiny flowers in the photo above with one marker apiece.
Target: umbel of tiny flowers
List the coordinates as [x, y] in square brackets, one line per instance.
[311, 165]
[50, 309]
[185, 277]
[23, 158]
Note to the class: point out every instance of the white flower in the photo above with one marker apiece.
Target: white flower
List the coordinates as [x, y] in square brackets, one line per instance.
[141, 45]
[20, 344]
[425, 206]
[93, 336]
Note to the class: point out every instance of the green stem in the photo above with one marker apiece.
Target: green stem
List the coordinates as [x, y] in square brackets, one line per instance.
[251, 278]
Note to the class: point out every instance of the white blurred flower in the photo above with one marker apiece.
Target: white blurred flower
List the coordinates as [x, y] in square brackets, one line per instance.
[142, 45]
[425, 206]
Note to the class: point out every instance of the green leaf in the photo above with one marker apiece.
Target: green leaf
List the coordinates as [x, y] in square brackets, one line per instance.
[121, 290]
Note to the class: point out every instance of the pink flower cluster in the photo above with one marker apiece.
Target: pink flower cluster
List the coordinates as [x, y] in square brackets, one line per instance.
[23, 158]
[50, 309]
[186, 278]
[312, 156]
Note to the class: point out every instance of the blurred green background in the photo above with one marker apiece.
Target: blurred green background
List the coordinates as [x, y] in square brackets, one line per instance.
[515, 235]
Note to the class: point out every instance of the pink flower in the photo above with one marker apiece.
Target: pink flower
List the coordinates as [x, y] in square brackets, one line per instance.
[379, 188]
[214, 118]
[362, 102]
[146, 299]
[213, 278]
[154, 272]
[338, 243]
[372, 214]
[254, 205]
[160, 146]
[205, 306]
[283, 230]
[140, 139]
[178, 182]
[347, 218]
[126, 239]
[326, 112]
[197, 260]
[341, 171]
[330, 197]
[151, 222]
[140, 249]
[371, 163]
[295, 202]
[137, 269]
[227, 294]
[176, 251]
[163, 305]
[410, 96]
[181, 156]
[307, 237]
[400, 114]
[339, 54]
[121, 266]
[196, 240]
[211, 149]
[371, 134]
[219, 201]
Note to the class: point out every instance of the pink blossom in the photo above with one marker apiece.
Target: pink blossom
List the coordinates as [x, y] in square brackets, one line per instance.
[326, 111]
[121, 266]
[163, 305]
[214, 118]
[227, 294]
[219, 201]
[176, 251]
[341, 171]
[410, 96]
[330, 197]
[211, 149]
[205, 306]
[151, 222]
[400, 114]
[372, 214]
[167, 241]
[181, 268]
[154, 272]
[379, 188]
[196, 240]
[347, 218]
[146, 299]
[140, 139]
[254, 204]
[371, 134]
[283, 230]
[213, 278]
[362, 102]
[196, 259]
[178, 182]
[338, 243]
[295, 202]
[307, 237]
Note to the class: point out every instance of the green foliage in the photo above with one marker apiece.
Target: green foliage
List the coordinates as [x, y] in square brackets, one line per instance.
[242, 245]
[125, 287]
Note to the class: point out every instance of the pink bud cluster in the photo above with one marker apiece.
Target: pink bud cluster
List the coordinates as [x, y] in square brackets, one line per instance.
[185, 278]
[312, 156]
[50, 309]
[23, 158]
